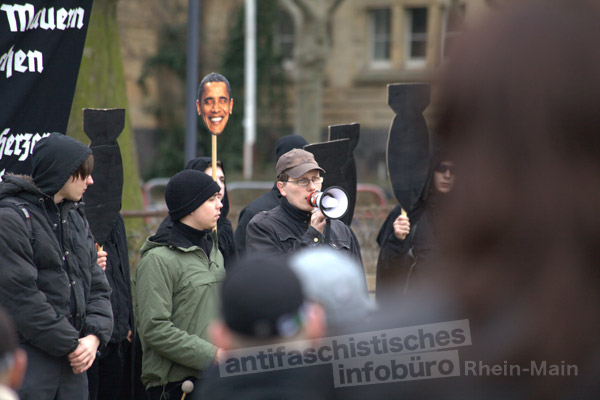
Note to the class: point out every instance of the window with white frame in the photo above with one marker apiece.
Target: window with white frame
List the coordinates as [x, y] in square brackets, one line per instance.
[452, 24]
[380, 36]
[416, 37]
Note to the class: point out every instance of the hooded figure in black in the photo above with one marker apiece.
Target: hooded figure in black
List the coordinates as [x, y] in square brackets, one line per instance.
[224, 228]
[107, 376]
[269, 200]
[398, 259]
[51, 284]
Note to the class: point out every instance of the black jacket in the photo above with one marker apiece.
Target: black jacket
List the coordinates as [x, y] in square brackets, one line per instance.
[269, 200]
[52, 288]
[395, 259]
[398, 259]
[119, 279]
[285, 228]
[266, 202]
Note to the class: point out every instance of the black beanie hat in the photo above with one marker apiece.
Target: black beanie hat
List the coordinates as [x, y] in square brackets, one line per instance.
[187, 190]
[262, 297]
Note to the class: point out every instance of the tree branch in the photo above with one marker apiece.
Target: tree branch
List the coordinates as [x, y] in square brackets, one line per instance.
[293, 10]
[332, 7]
[308, 7]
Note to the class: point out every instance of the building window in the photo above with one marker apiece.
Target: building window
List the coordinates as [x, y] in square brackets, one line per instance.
[380, 36]
[416, 37]
[453, 21]
[284, 39]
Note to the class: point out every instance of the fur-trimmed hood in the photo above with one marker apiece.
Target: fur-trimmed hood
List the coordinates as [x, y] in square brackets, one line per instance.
[22, 185]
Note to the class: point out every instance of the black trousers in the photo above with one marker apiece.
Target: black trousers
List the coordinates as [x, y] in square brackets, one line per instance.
[107, 376]
[51, 378]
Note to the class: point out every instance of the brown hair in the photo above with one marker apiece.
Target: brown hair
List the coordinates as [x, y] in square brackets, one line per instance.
[85, 168]
[283, 177]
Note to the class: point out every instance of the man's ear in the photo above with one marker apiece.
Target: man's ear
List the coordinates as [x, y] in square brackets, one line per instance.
[17, 373]
[315, 326]
[231, 106]
[198, 107]
[281, 188]
[220, 335]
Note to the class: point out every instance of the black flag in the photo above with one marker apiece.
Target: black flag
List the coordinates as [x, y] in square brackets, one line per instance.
[41, 43]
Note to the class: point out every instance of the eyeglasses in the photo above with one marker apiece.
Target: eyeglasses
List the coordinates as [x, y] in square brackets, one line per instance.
[305, 181]
[442, 168]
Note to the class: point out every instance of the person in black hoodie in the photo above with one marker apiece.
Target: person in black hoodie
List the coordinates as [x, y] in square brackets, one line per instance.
[51, 284]
[408, 241]
[224, 228]
[269, 200]
[107, 377]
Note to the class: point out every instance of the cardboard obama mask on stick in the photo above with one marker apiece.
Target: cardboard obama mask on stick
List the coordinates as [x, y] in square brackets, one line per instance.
[214, 102]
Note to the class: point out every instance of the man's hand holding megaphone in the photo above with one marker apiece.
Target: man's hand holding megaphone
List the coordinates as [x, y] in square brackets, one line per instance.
[318, 220]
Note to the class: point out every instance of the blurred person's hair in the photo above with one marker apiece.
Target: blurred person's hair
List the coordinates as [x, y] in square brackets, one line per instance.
[522, 238]
[335, 281]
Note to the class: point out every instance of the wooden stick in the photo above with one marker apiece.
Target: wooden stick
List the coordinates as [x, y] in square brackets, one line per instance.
[214, 162]
[214, 157]
[99, 249]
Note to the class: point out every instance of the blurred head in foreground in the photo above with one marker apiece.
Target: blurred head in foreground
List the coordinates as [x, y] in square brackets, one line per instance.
[262, 302]
[522, 239]
[335, 281]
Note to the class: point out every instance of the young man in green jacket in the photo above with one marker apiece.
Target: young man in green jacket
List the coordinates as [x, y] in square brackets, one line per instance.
[176, 287]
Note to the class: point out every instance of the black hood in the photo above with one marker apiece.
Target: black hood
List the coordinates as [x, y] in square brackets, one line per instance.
[200, 164]
[55, 159]
[428, 196]
[287, 143]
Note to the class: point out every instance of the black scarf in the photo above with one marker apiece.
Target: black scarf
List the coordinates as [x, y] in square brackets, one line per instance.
[196, 237]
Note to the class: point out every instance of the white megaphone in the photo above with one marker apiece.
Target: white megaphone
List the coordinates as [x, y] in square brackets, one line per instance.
[333, 202]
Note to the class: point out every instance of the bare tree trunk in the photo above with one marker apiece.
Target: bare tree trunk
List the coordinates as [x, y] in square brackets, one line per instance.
[311, 48]
[101, 84]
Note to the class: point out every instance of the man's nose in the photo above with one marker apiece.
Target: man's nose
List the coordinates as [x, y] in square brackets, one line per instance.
[219, 204]
[311, 185]
[89, 180]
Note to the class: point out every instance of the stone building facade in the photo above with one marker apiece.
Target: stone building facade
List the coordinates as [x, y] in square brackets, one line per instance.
[374, 43]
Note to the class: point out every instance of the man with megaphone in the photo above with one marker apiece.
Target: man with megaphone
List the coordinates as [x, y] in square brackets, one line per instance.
[306, 217]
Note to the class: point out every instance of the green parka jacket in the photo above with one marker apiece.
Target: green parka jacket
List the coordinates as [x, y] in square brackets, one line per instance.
[176, 295]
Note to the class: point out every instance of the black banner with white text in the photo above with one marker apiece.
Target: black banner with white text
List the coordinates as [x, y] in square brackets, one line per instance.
[41, 44]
